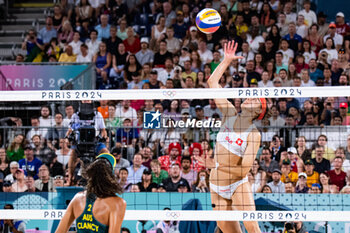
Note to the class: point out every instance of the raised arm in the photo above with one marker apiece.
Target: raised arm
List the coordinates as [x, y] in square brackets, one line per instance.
[225, 106]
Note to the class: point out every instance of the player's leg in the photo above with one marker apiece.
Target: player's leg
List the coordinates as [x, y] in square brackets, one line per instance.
[220, 203]
[243, 199]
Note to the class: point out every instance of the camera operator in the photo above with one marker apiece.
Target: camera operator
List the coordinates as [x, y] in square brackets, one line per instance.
[85, 145]
[32, 44]
[294, 227]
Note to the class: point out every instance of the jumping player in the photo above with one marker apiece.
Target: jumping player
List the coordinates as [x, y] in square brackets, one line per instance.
[237, 145]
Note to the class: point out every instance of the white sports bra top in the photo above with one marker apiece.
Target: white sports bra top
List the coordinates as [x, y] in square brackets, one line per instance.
[234, 142]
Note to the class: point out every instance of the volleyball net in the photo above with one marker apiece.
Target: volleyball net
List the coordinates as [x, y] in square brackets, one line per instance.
[305, 131]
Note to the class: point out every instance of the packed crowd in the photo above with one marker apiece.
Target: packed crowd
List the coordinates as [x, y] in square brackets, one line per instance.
[154, 45]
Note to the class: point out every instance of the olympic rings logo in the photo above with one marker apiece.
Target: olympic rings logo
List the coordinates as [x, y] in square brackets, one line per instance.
[169, 93]
[172, 214]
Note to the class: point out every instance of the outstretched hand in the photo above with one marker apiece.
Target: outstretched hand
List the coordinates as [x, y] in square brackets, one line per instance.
[230, 51]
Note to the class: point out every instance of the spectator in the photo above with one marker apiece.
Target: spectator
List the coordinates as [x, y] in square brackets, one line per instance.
[93, 43]
[76, 43]
[124, 110]
[120, 162]
[15, 151]
[83, 11]
[158, 32]
[174, 150]
[295, 161]
[315, 188]
[180, 27]
[65, 34]
[290, 15]
[113, 41]
[267, 189]
[168, 72]
[265, 82]
[57, 132]
[45, 118]
[103, 60]
[41, 151]
[288, 54]
[45, 181]
[123, 179]
[201, 184]
[186, 171]
[14, 166]
[146, 184]
[289, 187]
[136, 169]
[337, 176]
[103, 28]
[276, 185]
[314, 72]
[267, 164]
[324, 181]
[158, 175]
[84, 55]
[69, 111]
[131, 66]
[312, 176]
[309, 15]
[64, 152]
[58, 181]
[287, 173]
[15, 226]
[118, 63]
[30, 182]
[4, 163]
[345, 190]
[303, 152]
[169, 14]
[302, 29]
[160, 57]
[32, 44]
[48, 32]
[328, 152]
[329, 48]
[173, 43]
[301, 186]
[30, 165]
[19, 185]
[342, 28]
[279, 64]
[145, 55]
[7, 187]
[147, 156]
[134, 188]
[172, 182]
[132, 43]
[267, 50]
[321, 164]
[68, 55]
[196, 151]
[128, 137]
[259, 177]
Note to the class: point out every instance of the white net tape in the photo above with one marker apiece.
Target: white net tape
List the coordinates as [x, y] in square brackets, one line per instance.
[211, 93]
[197, 215]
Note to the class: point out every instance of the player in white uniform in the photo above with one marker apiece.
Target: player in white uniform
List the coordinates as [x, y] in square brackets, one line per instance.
[237, 145]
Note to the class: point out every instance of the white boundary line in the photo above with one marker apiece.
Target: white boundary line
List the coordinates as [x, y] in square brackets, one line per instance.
[198, 93]
[199, 215]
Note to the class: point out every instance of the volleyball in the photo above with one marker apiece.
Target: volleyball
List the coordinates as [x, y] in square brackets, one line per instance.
[208, 20]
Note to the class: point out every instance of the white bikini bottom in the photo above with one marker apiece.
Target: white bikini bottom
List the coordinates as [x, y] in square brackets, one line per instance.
[227, 191]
